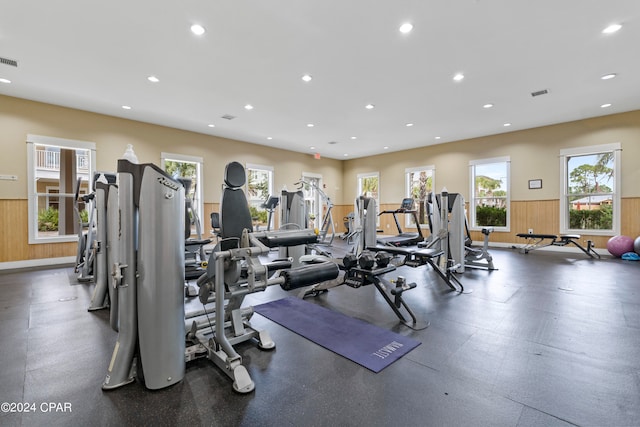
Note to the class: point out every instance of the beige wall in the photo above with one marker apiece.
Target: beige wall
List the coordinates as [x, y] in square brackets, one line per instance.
[20, 117]
[533, 152]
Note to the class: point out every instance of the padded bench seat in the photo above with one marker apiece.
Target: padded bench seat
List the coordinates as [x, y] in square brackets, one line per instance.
[536, 241]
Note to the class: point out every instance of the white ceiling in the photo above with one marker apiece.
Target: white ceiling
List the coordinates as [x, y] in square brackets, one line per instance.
[97, 55]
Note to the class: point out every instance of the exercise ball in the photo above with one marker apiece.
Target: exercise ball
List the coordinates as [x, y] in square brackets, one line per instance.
[618, 245]
[636, 245]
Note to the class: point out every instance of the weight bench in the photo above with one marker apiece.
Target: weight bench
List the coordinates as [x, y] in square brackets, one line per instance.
[421, 256]
[536, 241]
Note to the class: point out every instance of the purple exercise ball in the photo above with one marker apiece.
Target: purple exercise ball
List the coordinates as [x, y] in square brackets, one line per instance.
[619, 245]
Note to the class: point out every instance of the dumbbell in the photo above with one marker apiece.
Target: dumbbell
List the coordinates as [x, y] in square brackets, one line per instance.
[349, 261]
[367, 260]
[383, 259]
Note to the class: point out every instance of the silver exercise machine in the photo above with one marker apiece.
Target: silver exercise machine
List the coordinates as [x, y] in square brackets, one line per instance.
[103, 295]
[149, 277]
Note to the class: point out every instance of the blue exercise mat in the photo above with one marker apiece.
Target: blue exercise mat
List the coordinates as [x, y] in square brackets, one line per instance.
[367, 345]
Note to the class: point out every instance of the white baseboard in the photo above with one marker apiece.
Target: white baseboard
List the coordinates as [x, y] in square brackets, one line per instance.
[42, 262]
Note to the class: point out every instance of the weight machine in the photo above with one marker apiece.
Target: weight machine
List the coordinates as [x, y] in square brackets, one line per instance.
[449, 213]
[327, 219]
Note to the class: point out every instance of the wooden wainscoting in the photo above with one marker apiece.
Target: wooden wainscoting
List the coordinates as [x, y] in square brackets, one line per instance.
[14, 232]
[540, 215]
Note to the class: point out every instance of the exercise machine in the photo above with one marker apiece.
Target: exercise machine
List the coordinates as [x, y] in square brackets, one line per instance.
[458, 236]
[475, 257]
[85, 254]
[234, 270]
[350, 227]
[324, 237]
[437, 250]
[149, 277]
[536, 241]
[447, 223]
[103, 294]
[369, 262]
[292, 217]
[270, 206]
[194, 253]
[403, 238]
[368, 268]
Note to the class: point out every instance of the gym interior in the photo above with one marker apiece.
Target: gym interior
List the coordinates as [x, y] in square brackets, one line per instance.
[545, 333]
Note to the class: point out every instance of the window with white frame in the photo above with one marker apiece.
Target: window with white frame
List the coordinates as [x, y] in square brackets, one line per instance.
[57, 168]
[590, 191]
[419, 182]
[490, 188]
[369, 186]
[188, 168]
[259, 188]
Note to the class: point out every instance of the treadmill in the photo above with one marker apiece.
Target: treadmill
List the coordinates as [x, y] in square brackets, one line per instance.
[403, 238]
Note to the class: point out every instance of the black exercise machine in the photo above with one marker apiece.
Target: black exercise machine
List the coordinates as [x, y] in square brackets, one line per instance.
[270, 206]
[403, 238]
[537, 241]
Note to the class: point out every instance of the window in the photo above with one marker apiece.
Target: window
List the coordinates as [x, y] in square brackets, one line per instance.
[181, 166]
[419, 182]
[54, 168]
[259, 188]
[369, 186]
[590, 190]
[489, 204]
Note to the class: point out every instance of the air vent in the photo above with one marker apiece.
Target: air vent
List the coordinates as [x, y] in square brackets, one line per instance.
[228, 117]
[7, 61]
[540, 92]
[332, 142]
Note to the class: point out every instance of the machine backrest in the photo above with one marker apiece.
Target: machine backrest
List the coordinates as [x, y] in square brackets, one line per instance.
[215, 221]
[235, 215]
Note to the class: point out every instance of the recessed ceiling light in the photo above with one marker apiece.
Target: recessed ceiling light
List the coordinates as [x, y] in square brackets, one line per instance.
[506, 125]
[437, 137]
[611, 29]
[406, 28]
[310, 125]
[608, 76]
[2, 80]
[487, 106]
[269, 138]
[197, 29]
[126, 107]
[306, 78]
[153, 79]
[409, 125]
[385, 147]
[211, 125]
[312, 148]
[458, 77]
[248, 107]
[605, 106]
[354, 137]
[346, 155]
[369, 106]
